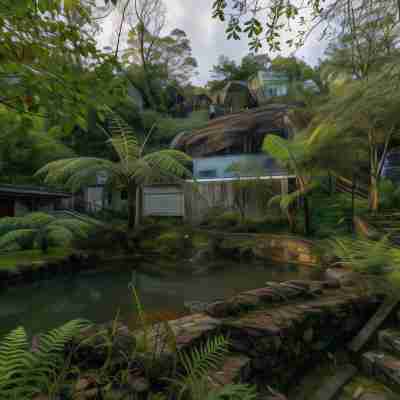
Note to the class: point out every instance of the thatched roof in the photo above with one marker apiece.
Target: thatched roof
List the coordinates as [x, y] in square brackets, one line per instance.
[227, 131]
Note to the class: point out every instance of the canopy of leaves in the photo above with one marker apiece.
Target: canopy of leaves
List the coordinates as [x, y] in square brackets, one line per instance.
[227, 70]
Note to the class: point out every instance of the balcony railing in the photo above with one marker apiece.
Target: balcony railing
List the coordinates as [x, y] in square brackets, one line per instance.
[235, 166]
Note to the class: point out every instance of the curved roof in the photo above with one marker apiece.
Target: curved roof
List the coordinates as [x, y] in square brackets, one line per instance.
[226, 131]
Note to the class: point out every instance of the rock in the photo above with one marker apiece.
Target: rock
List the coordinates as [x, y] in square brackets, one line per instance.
[196, 306]
[87, 394]
[82, 384]
[235, 369]
[308, 335]
[389, 340]
[357, 394]
[382, 366]
[138, 384]
[341, 275]
[92, 351]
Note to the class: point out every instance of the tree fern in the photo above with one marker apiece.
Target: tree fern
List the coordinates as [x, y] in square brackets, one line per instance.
[24, 373]
[133, 168]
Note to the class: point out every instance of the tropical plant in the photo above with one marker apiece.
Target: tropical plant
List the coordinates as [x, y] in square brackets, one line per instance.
[197, 367]
[24, 373]
[363, 115]
[292, 155]
[130, 172]
[40, 230]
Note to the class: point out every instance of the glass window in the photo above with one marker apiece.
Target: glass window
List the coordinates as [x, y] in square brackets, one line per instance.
[208, 173]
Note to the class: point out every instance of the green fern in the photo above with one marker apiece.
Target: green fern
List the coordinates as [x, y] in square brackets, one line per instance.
[233, 392]
[24, 373]
[197, 364]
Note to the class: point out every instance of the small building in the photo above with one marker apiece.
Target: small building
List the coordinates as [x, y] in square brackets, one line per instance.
[200, 102]
[229, 167]
[17, 200]
[266, 84]
[235, 96]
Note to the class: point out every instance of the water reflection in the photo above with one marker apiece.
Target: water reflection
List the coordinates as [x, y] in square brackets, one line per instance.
[97, 297]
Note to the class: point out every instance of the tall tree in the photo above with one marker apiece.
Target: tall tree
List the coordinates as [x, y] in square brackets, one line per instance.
[369, 39]
[228, 70]
[365, 112]
[146, 19]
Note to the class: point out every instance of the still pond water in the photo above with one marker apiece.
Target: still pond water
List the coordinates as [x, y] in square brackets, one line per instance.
[98, 296]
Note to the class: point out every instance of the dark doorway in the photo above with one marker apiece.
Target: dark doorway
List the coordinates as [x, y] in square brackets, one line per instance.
[6, 208]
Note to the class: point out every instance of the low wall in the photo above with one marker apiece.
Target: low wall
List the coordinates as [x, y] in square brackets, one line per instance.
[275, 332]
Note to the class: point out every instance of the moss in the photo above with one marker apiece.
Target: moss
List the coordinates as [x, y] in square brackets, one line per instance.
[369, 385]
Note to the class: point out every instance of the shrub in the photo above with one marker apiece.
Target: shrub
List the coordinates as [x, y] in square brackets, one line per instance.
[270, 223]
[226, 220]
[24, 233]
[389, 195]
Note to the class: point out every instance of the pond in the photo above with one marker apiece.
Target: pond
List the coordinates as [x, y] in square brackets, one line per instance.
[98, 296]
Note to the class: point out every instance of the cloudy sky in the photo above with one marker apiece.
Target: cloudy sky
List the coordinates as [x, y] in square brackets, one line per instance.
[208, 37]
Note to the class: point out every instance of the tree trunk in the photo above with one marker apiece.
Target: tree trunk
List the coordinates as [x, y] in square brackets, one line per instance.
[131, 209]
[138, 205]
[307, 219]
[373, 194]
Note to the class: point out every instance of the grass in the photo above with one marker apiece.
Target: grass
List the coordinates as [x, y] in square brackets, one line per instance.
[10, 261]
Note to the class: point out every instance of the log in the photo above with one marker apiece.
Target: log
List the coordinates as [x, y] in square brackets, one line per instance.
[372, 325]
[330, 389]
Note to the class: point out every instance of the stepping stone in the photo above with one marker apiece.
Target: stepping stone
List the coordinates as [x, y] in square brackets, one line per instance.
[372, 325]
[384, 367]
[389, 340]
[330, 389]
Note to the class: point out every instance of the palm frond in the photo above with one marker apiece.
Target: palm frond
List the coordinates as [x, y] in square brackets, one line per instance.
[167, 163]
[61, 170]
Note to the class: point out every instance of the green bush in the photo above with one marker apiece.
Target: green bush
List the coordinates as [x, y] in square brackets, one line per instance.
[389, 195]
[270, 223]
[226, 220]
[27, 232]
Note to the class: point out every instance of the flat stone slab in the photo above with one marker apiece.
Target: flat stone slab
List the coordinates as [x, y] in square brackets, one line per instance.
[187, 331]
[373, 324]
[389, 340]
[330, 389]
[383, 367]
[272, 293]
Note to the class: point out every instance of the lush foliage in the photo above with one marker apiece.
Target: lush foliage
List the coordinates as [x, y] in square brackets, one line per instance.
[25, 373]
[133, 169]
[39, 230]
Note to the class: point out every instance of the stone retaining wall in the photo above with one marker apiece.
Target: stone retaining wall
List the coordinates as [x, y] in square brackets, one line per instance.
[275, 332]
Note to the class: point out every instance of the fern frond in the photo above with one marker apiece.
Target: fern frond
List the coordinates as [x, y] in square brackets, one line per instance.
[234, 392]
[198, 363]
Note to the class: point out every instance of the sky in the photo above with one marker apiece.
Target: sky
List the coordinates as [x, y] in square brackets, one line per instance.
[208, 38]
